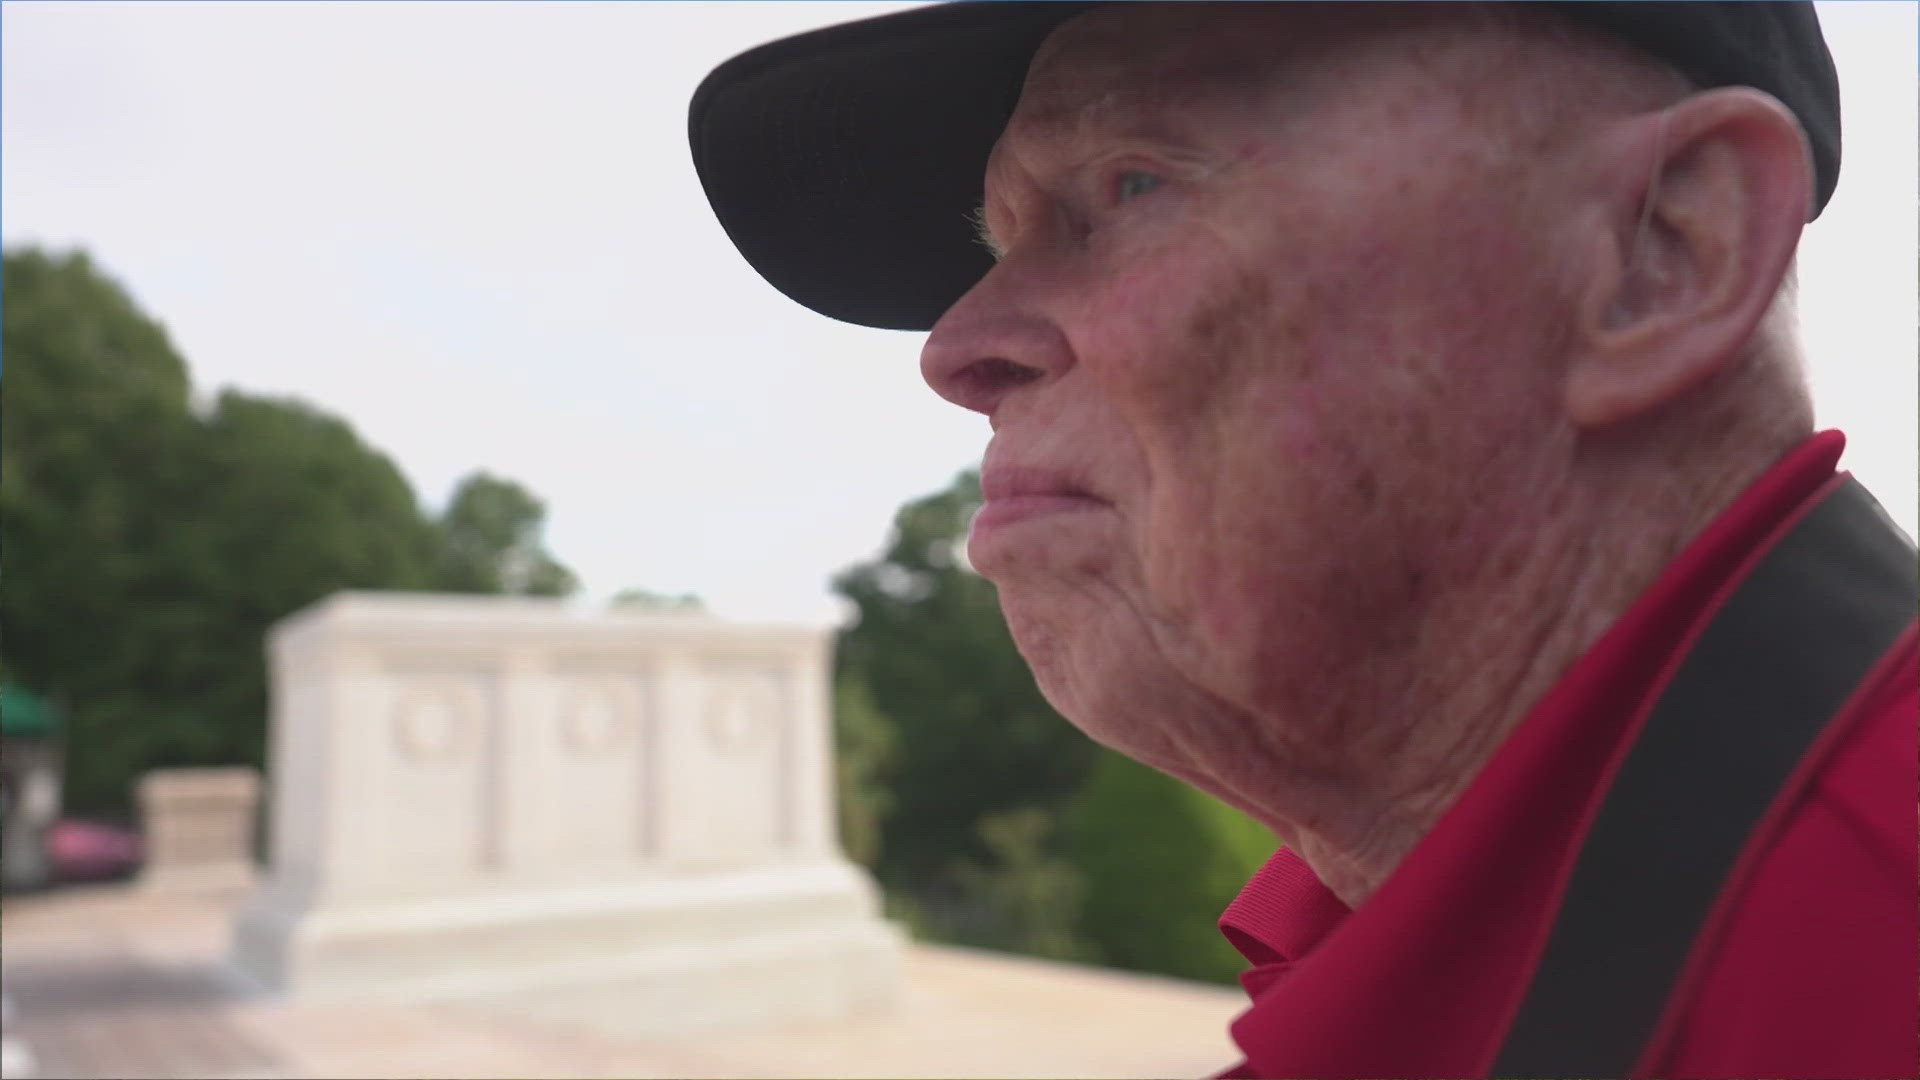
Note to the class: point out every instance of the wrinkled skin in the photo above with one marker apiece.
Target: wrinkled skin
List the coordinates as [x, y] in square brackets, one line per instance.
[1280, 295]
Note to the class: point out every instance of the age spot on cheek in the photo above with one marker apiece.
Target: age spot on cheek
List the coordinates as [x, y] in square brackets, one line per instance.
[1237, 327]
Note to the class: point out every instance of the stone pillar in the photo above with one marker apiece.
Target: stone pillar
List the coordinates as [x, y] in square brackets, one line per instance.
[30, 768]
[198, 826]
[620, 817]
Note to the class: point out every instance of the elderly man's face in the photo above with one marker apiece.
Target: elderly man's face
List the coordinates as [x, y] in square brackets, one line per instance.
[1273, 300]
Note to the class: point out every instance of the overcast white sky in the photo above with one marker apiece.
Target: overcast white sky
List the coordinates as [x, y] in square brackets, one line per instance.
[473, 230]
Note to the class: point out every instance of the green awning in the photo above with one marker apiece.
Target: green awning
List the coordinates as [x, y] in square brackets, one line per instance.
[23, 712]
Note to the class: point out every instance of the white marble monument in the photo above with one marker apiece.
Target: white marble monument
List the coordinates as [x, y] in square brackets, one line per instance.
[620, 817]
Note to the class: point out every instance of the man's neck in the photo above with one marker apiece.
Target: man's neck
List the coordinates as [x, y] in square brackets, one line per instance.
[1485, 652]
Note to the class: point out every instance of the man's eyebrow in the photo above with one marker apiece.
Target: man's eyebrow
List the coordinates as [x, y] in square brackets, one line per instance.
[983, 233]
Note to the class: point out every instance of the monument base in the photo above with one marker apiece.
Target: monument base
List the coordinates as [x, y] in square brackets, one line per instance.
[232, 877]
[670, 954]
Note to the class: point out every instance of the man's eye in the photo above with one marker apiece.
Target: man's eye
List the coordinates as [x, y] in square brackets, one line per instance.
[1133, 183]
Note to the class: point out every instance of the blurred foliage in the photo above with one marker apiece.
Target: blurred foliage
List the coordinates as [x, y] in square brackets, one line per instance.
[987, 817]
[1026, 897]
[863, 744]
[490, 542]
[148, 545]
[1160, 860]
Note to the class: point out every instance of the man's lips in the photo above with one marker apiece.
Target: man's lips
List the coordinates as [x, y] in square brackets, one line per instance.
[1014, 493]
[1014, 481]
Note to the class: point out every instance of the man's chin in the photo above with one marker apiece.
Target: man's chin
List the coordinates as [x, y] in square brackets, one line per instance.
[1074, 540]
[1081, 664]
[1049, 635]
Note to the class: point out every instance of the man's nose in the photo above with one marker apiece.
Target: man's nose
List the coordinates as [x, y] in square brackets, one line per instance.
[984, 348]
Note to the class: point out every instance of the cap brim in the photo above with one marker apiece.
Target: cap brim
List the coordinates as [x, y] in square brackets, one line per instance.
[845, 163]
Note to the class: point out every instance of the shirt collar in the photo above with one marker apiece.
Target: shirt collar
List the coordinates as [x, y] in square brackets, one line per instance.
[1282, 913]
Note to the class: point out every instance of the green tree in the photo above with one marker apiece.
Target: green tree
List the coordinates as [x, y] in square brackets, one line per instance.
[148, 549]
[864, 744]
[1026, 897]
[101, 454]
[490, 535]
[300, 508]
[96, 415]
[1159, 861]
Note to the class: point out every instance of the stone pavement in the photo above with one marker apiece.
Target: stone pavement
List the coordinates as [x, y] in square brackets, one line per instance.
[111, 981]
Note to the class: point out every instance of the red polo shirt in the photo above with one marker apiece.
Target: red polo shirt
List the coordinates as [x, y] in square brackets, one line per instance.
[1809, 966]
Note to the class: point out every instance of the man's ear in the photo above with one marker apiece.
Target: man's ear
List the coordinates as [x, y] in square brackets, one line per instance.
[1695, 243]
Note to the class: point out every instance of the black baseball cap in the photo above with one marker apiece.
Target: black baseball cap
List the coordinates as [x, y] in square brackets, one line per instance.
[846, 163]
